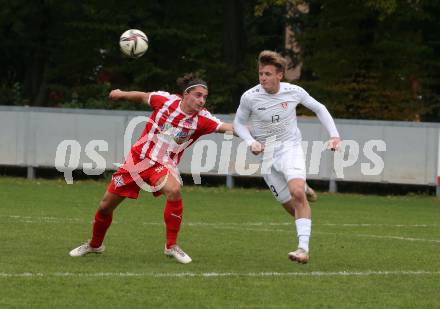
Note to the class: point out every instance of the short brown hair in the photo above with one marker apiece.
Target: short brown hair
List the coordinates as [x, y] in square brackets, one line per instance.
[268, 57]
[189, 80]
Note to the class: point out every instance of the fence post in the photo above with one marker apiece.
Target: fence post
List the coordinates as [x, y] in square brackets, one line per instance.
[30, 172]
[332, 185]
[438, 166]
[229, 181]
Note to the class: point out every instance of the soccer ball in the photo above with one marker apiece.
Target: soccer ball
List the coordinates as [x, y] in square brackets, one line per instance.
[133, 43]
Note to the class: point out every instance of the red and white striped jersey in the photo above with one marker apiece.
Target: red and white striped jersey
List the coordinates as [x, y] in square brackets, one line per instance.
[169, 131]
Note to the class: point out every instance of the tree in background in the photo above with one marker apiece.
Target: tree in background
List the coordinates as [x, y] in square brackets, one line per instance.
[49, 48]
[374, 59]
[63, 53]
[369, 59]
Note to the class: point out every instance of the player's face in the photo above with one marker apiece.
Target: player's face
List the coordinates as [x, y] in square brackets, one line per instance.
[270, 78]
[195, 99]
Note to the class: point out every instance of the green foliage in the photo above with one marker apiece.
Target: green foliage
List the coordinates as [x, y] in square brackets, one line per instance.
[369, 65]
[357, 56]
[383, 7]
[59, 50]
[263, 5]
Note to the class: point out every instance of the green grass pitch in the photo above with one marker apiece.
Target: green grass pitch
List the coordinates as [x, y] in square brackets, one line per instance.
[366, 251]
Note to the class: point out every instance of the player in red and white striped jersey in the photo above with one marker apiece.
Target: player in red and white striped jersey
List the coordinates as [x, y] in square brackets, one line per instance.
[176, 122]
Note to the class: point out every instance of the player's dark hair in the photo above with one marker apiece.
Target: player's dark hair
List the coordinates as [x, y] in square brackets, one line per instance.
[268, 57]
[188, 80]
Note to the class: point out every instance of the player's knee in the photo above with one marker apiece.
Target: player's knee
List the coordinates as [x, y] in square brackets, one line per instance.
[173, 192]
[105, 207]
[109, 203]
[298, 194]
[104, 203]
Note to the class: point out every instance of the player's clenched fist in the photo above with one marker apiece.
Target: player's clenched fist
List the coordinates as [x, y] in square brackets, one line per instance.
[257, 148]
[115, 94]
[334, 144]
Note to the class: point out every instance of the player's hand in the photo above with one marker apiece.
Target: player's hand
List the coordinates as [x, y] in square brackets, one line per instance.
[334, 144]
[257, 148]
[116, 94]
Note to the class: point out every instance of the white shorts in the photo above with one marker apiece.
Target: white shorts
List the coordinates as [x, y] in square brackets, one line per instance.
[288, 164]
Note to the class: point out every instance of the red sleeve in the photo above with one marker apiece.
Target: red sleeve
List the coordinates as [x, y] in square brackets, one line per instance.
[158, 98]
[208, 123]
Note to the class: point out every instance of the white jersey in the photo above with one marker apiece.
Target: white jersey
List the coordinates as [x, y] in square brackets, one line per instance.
[273, 116]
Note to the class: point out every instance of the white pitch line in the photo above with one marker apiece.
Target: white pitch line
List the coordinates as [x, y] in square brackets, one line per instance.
[292, 224]
[247, 226]
[55, 220]
[398, 238]
[225, 274]
[382, 237]
[32, 219]
[376, 225]
[330, 233]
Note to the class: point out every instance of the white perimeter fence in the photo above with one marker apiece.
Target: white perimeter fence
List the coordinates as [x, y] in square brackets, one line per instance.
[373, 151]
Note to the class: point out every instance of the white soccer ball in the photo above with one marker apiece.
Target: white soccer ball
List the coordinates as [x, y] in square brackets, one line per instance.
[133, 43]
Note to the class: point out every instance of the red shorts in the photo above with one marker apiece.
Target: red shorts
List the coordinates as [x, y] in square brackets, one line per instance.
[123, 184]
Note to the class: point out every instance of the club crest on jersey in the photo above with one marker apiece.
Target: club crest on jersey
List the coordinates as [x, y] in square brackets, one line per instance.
[284, 105]
[181, 136]
[166, 127]
[187, 124]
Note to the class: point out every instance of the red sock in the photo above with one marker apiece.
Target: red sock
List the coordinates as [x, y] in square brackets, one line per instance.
[100, 226]
[173, 217]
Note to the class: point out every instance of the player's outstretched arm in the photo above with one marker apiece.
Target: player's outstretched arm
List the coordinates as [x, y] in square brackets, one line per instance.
[133, 96]
[226, 127]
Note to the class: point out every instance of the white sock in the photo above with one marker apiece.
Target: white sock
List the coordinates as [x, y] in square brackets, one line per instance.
[303, 230]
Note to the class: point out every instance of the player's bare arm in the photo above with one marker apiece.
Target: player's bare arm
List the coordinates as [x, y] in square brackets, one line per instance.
[133, 96]
[227, 127]
[256, 147]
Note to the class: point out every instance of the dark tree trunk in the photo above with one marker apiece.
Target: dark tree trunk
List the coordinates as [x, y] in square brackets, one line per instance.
[233, 41]
[232, 33]
[35, 79]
